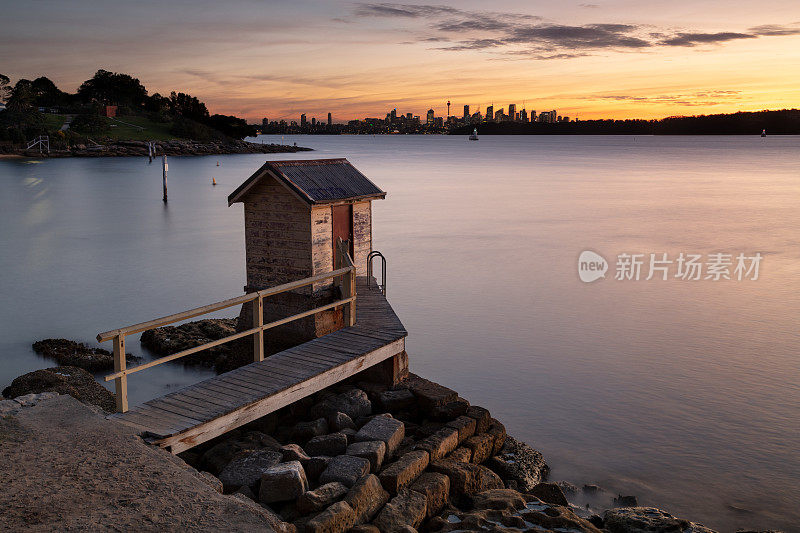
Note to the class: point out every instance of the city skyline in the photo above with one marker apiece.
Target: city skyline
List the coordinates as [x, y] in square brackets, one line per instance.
[615, 59]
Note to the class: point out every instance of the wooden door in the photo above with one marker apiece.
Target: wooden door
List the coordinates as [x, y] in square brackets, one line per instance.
[343, 224]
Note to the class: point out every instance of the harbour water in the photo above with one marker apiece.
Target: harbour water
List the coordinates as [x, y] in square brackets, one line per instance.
[684, 393]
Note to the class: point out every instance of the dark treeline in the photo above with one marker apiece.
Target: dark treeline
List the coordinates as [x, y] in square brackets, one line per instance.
[188, 117]
[781, 122]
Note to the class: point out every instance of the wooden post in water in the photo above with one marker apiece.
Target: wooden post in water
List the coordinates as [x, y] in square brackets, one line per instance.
[165, 167]
[120, 383]
[150, 152]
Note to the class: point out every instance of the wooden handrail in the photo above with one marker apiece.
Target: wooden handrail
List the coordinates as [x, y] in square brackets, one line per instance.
[120, 375]
[224, 304]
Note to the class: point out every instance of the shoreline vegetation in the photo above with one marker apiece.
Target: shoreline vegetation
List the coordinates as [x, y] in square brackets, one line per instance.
[112, 114]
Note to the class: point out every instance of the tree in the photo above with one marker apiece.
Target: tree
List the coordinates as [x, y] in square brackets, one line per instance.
[46, 94]
[111, 88]
[188, 106]
[5, 88]
[22, 96]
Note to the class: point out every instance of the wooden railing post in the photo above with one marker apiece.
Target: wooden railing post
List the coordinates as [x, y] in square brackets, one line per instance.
[258, 322]
[120, 383]
[352, 294]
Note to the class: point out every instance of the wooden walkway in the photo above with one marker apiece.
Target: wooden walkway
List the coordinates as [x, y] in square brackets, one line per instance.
[193, 415]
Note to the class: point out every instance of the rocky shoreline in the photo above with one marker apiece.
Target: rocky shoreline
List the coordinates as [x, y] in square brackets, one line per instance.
[170, 148]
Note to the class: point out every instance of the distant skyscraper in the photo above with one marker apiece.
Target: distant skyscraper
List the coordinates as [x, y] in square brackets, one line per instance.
[512, 112]
[409, 117]
[498, 116]
[303, 119]
[330, 119]
[523, 115]
[393, 115]
[265, 121]
[466, 112]
[533, 115]
[313, 121]
[430, 117]
[490, 113]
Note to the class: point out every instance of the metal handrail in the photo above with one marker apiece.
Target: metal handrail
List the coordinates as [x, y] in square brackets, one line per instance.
[381, 286]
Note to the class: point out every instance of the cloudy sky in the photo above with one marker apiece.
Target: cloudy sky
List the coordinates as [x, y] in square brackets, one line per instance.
[592, 58]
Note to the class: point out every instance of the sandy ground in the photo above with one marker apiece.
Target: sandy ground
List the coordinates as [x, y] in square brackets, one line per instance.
[64, 467]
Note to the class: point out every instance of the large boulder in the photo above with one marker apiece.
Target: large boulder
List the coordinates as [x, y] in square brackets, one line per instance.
[318, 499]
[70, 353]
[519, 465]
[218, 456]
[283, 482]
[71, 380]
[330, 445]
[436, 489]
[337, 518]
[406, 509]
[171, 339]
[550, 493]
[383, 428]
[404, 471]
[373, 451]
[366, 498]
[467, 478]
[345, 469]
[245, 470]
[648, 520]
[354, 403]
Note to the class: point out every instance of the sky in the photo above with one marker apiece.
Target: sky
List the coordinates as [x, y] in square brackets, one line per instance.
[586, 59]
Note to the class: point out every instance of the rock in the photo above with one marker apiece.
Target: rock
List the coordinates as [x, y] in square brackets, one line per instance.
[520, 466]
[499, 499]
[406, 509]
[498, 431]
[70, 353]
[318, 499]
[170, 339]
[465, 426]
[218, 456]
[626, 501]
[436, 489]
[304, 431]
[373, 451]
[29, 400]
[591, 489]
[283, 482]
[567, 487]
[274, 522]
[408, 529]
[461, 454]
[648, 520]
[71, 380]
[450, 410]
[337, 518]
[315, 466]
[350, 433]
[345, 469]
[404, 471]
[440, 443]
[9, 407]
[389, 430]
[549, 493]
[397, 400]
[481, 417]
[293, 452]
[245, 470]
[429, 394]
[354, 403]
[481, 445]
[212, 481]
[339, 421]
[366, 498]
[332, 444]
[365, 528]
[467, 478]
[248, 492]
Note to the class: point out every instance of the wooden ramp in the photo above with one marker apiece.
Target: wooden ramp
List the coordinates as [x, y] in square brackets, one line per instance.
[186, 418]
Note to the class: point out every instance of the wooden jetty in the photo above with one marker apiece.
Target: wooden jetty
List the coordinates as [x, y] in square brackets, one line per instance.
[301, 217]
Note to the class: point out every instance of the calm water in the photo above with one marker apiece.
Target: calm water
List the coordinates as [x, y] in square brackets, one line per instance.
[683, 393]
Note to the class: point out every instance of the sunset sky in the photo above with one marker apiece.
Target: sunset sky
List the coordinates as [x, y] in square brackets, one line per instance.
[618, 59]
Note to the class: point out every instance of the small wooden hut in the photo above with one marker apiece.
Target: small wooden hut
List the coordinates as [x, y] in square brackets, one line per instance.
[294, 212]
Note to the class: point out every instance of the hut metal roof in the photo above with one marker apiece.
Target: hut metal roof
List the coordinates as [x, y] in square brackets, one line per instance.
[316, 181]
